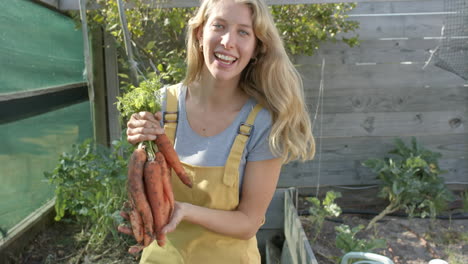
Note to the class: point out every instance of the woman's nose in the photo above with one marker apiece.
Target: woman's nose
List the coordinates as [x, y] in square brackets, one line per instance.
[228, 40]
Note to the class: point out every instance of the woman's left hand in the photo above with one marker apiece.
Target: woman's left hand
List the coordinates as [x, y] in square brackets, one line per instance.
[180, 211]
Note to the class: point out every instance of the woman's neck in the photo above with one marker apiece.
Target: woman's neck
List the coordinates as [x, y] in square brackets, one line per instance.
[213, 95]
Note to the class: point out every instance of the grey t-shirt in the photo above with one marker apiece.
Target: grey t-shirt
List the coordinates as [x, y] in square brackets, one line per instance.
[213, 151]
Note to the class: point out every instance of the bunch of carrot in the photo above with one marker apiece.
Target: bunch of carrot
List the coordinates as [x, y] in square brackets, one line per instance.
[151, 199]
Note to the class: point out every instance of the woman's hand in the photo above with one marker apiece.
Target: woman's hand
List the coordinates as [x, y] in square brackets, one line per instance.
[144, 126]
[180, 211]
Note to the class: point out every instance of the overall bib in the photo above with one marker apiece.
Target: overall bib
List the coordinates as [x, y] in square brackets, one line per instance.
[213, 187]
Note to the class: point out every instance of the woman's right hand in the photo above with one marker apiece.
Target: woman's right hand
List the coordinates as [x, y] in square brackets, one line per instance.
[144, 126]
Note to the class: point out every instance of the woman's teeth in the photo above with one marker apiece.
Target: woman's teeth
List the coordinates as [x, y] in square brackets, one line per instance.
[225, 58]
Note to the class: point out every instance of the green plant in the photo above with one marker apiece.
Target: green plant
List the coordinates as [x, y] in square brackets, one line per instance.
[410, 181]
[159, 41]
[90, 186]
[320, 210]
[347, 241]
[305, 27]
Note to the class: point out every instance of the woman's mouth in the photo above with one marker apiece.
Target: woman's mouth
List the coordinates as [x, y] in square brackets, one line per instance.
[225, 59]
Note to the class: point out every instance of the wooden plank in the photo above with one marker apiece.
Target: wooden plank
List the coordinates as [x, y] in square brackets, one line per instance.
[408, 26]
[351, 172]
[383, 76]
[73, 5]
[274, 221]
[113, 89]
[392, 7]
[392, 124]
[272, 253]
[399, 99]
[297, 248]
[336, 48]
[99, 79]
[274, 218]
[19, 235]
[362, 148]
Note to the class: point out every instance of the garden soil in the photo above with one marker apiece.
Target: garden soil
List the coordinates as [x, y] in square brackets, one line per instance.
[409, 241]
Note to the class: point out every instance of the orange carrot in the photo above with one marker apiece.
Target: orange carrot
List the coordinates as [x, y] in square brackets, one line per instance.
[166, 147]
[136, 191]
[154, 190]
[166, 181]
[137, 226]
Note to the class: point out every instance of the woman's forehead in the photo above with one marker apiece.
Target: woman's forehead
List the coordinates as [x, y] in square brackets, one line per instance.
[232, 11]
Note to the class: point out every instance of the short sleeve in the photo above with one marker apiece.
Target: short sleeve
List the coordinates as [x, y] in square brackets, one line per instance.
[258, 147]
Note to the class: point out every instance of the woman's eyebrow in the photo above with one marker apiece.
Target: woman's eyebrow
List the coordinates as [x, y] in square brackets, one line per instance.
[225, 21]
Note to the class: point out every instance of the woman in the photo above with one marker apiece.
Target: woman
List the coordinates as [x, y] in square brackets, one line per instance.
[240, 116]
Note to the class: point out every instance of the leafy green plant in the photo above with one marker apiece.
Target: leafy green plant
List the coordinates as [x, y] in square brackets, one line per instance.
[320, 210]
[90, 186]
[410, 181]
[347, 241]
[145, 97]
[159, 41]
[305, 27]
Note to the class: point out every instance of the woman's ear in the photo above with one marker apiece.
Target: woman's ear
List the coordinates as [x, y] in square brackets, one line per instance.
[200, 34]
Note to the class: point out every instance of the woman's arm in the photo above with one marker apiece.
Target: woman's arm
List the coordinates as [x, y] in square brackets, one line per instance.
[260, 180]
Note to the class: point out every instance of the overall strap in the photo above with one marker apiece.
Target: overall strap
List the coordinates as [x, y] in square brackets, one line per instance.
[171, 115]
[231, 169]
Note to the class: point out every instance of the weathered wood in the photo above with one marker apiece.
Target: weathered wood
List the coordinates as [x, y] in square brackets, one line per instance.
[19, 235]
[377, 27]
[362, 148]
[351, 172]
[274, 222]
[388, 76]
[296, 246]
[100, 109]
[392, 124]
[72, 4]
[392, 7]
[399, 99]
[272, 253]
[112, 87]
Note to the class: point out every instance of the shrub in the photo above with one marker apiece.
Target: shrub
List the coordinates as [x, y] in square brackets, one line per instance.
[410, 181]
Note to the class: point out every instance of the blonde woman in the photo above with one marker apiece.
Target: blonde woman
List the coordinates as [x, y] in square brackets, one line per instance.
[240, 115]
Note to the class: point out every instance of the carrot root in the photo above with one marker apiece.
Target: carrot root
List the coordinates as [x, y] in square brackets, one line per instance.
[166, 147]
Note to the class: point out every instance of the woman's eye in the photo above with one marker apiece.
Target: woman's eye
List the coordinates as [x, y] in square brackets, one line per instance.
[217, 26]
[244, 33]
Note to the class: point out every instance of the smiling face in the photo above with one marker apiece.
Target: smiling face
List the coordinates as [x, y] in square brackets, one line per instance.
[228, 40]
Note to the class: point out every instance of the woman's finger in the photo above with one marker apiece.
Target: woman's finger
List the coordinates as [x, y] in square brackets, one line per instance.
[177, 216]
[125, 230]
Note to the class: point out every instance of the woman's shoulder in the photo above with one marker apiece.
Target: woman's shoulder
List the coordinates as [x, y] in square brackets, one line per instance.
[263, 120]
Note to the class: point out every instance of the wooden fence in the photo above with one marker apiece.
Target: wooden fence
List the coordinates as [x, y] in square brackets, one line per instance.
[381, 90]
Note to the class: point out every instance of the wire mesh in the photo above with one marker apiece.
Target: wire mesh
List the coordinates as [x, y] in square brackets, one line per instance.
[452, 54]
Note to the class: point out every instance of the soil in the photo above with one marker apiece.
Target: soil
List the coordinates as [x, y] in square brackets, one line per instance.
[62, 243]
[409, 241]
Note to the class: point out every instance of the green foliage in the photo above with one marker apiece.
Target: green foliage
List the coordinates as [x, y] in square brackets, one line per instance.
[145, 97]
[411, 181]
[305, 27]
[157, 34]
[90, 186]
[320, 210]
[347, 241]
[159, 41]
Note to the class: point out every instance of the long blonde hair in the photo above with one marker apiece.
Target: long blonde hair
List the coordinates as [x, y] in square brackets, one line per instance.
[271, 79]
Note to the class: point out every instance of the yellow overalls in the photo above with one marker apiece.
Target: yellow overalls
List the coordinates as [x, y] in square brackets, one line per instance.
[213, 187]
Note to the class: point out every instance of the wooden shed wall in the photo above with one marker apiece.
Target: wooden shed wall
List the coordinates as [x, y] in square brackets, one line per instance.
[378, 91]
